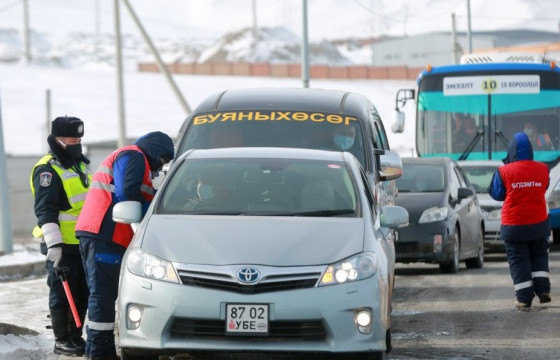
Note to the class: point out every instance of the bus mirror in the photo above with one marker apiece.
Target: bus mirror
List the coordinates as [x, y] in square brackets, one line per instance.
[398, 122]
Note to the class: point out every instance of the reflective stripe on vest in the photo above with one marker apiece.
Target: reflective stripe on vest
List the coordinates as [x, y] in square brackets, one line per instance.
[75, 193]
[101, 197]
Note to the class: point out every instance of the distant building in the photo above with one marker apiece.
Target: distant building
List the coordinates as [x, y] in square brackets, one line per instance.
[438, 48]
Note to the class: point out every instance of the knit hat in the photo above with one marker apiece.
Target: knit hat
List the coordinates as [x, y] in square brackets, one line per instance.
[67, 126]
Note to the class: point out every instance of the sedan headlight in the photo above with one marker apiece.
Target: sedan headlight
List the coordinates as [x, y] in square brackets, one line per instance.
[495, 214]
[147, 265]
[433, 214]
[358, 267]
[554, 197]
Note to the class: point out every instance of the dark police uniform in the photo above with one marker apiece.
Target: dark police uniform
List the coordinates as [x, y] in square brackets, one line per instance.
[59, 183]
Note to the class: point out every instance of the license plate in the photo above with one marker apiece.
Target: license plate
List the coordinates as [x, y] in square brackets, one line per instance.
[247, 319]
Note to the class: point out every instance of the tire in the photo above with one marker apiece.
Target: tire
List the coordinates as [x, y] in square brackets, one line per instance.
[452, 267]
[478, 261]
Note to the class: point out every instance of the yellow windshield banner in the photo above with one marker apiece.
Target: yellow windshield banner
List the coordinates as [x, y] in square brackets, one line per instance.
[297, 116]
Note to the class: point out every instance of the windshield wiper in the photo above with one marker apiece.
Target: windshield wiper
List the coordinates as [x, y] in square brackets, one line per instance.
[471, 145]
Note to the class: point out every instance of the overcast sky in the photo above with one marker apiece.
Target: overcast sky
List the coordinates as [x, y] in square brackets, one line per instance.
[327, 19]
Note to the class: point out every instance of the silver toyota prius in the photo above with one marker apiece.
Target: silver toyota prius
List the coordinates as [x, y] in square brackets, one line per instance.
[261, 250]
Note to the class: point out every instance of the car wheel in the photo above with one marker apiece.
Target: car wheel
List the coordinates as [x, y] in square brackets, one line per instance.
[478, 261]
[452, 267]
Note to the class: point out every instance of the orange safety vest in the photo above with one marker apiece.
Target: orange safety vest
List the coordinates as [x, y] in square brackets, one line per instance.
[99, 198]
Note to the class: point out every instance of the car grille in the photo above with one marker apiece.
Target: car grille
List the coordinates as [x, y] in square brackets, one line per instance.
[271, 281]
[278, 330]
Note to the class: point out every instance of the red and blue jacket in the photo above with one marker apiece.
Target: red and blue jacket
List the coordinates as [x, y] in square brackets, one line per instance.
[521, 184]
[126, 174]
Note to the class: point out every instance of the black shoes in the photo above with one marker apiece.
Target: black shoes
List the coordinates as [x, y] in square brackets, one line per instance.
[67, 347]
[545, 298]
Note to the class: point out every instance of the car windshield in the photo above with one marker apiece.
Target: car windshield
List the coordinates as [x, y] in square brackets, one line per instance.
[421, 178]
[270, 187]
[480, 176]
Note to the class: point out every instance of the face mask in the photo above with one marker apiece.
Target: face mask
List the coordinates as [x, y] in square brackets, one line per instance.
[529, 132]
[205, 191]
[75, 151]
[343, 142]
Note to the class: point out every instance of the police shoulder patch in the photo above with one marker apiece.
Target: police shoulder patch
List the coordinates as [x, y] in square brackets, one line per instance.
[45, 179]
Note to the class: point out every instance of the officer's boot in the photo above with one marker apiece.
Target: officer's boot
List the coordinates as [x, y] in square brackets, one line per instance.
[75, 333]
[62, 343]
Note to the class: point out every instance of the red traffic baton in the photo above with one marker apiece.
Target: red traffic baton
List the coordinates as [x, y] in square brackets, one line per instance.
[61, 272]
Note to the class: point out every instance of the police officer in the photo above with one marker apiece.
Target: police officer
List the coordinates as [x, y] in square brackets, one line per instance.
[59, 183]
[126, 174]
[521, 183]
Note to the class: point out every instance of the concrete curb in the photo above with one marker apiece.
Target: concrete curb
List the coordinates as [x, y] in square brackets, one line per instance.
[25, 261]
[20, 271]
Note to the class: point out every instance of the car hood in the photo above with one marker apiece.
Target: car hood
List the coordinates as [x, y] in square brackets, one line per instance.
[416, 203]
[485, 200]
[274, 241]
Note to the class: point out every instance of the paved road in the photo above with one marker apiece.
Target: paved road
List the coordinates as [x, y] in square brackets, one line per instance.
[468, 315]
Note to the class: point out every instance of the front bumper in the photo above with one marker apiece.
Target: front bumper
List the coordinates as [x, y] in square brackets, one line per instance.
[416, 243]
[179, 318]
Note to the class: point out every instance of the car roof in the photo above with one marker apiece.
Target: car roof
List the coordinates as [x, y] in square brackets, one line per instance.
[270, 153]
[295, 99]
[426, 161]
[480, 163]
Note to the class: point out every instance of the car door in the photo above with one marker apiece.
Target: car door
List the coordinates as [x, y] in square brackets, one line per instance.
[469, 213]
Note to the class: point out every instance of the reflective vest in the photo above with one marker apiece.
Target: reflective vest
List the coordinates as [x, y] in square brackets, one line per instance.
[525, 182]
[101, 198]
[75, 193]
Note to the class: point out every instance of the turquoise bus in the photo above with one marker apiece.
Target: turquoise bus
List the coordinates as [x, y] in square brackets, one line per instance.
[470, 111]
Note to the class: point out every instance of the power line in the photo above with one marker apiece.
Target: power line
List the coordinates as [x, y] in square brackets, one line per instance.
[7, 7]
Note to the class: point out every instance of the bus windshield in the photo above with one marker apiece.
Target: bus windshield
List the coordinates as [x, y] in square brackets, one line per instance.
[473, 115]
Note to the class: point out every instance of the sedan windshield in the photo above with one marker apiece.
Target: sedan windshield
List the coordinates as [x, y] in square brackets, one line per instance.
[273, 187]
[421, 178]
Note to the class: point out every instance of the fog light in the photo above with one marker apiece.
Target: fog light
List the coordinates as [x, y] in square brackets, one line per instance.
[438, 238]
[363, 318]
[134, 316]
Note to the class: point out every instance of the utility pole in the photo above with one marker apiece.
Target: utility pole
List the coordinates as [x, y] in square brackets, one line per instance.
[159, 61]
[6, 241]
[469, 25]
[26, 31]
[120, 88]
[304, 48]
[454, 44]
[255, 27]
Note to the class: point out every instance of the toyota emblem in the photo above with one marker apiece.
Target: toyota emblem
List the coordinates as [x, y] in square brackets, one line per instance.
[248, 275]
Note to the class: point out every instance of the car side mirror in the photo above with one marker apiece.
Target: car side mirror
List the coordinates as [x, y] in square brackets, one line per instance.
[394, 217]
[390, 166]
[127, 212]
[464, 193]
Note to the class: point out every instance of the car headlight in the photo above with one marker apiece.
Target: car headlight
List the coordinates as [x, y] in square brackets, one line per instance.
[147, 265]
[433, 214]
[357, 267]
[495, 214]
[554, 197]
